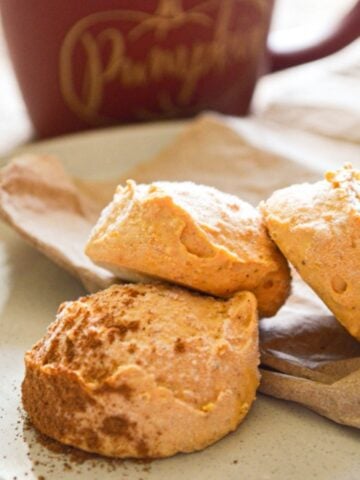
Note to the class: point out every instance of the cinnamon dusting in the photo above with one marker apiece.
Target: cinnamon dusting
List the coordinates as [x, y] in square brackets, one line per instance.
[179, 346]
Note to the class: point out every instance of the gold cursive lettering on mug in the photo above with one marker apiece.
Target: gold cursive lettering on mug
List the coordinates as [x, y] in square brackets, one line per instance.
[185, 63]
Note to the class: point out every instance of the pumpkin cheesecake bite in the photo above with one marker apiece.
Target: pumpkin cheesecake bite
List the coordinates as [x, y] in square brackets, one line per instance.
[317, 227]
[144, 370]
[191, 235]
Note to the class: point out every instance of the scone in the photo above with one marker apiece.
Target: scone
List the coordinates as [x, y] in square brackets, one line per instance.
[144, 370]
[317, 227]
[192, 235]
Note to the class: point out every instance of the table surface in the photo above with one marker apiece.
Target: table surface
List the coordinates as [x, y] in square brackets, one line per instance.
[293, 20]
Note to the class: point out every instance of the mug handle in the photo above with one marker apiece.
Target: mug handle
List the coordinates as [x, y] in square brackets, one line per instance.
[346, 31]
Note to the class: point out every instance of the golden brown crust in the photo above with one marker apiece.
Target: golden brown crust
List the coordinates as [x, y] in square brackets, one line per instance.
[317, 227]
[144, 370]
[194, 236]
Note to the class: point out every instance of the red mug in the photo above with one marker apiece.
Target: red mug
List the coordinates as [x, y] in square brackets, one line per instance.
[88, 63]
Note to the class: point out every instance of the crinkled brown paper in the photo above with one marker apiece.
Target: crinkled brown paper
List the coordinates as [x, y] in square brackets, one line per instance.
[307, 357]
[40, 201]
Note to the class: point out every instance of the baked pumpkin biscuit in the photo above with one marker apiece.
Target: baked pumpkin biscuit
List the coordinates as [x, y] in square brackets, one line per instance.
[192, 235]
[144, 370]
[317, 227]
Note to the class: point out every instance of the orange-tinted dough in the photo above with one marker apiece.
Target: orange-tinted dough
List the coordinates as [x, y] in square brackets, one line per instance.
[144, 370]
[192, 235]
[317, 227]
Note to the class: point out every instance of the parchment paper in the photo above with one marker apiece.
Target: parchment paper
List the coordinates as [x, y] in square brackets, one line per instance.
[307, 356]
[41, 202]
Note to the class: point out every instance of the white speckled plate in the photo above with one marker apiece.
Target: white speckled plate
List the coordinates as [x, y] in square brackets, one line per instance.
[277, 441]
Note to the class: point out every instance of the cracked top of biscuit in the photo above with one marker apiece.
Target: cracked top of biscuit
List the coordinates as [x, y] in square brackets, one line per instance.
[224, 219]
[186, 342]
[346, 178]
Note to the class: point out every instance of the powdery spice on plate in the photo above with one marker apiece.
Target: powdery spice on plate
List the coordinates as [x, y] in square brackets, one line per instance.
[70, 458]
